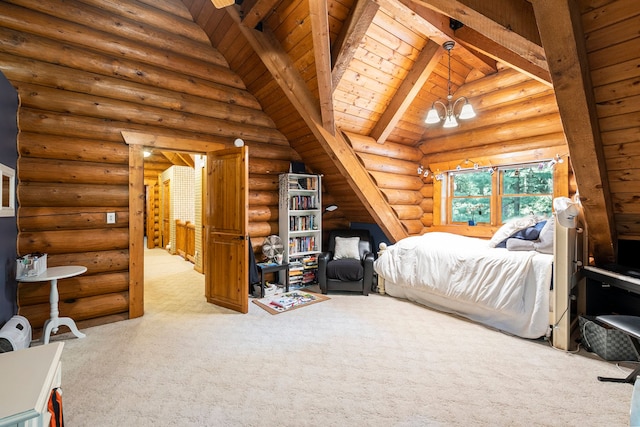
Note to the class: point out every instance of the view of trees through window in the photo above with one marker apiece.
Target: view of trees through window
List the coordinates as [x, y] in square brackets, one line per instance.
[513, 191]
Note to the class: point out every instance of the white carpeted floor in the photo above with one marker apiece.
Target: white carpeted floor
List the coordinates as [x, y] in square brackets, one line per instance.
[349, 361]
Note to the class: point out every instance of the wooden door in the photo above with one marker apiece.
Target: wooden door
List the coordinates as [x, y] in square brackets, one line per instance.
[166, 213]
[225, 225]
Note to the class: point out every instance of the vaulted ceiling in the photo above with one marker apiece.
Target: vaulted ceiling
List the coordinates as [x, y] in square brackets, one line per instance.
[322, 69]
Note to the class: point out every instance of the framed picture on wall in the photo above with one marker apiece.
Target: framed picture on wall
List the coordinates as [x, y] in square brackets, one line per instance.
[7, 191]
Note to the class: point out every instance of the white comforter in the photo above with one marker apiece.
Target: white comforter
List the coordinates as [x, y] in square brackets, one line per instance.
[504, 289]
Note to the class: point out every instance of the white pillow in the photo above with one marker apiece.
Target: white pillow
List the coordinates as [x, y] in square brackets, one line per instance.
[509, 228]
[545, 240]
[520, 245]
[347, 248]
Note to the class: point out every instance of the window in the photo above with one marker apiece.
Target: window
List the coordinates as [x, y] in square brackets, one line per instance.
[525, 191]
[494, 196]
[471, 196]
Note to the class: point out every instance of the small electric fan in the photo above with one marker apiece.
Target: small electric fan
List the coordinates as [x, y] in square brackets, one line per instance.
[272, 247]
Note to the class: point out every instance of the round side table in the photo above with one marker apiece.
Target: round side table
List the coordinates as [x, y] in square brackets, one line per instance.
[52, 274]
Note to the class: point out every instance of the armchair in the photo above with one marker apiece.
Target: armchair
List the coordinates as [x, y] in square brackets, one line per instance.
[348, 263]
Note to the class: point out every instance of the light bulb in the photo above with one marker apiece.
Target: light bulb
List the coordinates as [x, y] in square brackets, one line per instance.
[467, 112]
[432, 116]
[450, 122]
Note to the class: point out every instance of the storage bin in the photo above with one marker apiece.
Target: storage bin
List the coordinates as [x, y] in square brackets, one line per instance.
[608, 343]
[31, 265]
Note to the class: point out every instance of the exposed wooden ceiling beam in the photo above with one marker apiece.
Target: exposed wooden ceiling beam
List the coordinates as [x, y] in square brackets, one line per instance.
[480, 15]
[219, 4]
[188, 159]
[174, 158]
[408, 90]
[285, 74]
[560, 27]
[254, 11]
[322, 55]
[435, 27]
[474, 40]
[354, 30]
[170, 142]
[515, 15]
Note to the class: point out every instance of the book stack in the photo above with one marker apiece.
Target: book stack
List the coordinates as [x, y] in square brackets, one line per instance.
[310, 264]
[296, 274]
[291, 299]
[306, 183]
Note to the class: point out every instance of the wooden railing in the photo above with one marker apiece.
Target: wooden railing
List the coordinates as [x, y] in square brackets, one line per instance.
[186, 240]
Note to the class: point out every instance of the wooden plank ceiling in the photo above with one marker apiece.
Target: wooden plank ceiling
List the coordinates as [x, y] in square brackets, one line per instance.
[374, 67]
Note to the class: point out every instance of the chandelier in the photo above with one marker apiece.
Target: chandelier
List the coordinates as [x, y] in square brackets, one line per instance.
[448, 113]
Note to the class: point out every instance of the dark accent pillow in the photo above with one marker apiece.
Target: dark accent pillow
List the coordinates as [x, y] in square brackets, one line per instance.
[346, 270]
[529, 233]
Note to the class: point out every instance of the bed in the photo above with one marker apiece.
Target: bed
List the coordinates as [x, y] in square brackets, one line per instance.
[505, 288]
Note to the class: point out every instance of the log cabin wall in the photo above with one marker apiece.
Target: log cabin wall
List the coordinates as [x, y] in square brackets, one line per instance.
[85, 71]
[393, 168]
[613, 49]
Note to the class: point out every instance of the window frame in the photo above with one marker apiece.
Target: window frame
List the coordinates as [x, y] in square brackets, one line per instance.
[8, 185]
[450, 190]
[562, 185]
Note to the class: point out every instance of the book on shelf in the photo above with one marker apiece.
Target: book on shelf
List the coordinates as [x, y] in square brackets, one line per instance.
[302, 183]
[300, 203]
[302, 223]
[302, 244]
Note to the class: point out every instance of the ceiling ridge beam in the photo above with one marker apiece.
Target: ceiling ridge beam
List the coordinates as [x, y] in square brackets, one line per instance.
[338, 149]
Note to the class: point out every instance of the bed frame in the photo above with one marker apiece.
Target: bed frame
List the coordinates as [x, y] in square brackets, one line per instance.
[568, 284]
[570, 254]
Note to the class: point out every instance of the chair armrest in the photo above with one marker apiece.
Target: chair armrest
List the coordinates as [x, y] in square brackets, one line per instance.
[368, 257]
[323, 259]
[367, 263]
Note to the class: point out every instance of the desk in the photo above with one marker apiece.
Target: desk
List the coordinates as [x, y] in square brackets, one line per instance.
[612, 289]
[28, 376]
[272, 268]
[52, 274]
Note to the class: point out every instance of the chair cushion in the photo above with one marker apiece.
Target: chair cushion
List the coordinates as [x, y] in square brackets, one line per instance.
[346, 270]
[347, 247]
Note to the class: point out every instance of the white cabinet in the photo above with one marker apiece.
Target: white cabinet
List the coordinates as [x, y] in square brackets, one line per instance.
[300, 226]
[28, 377]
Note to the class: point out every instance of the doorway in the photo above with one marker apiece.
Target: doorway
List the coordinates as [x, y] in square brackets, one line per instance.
[137, 142]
